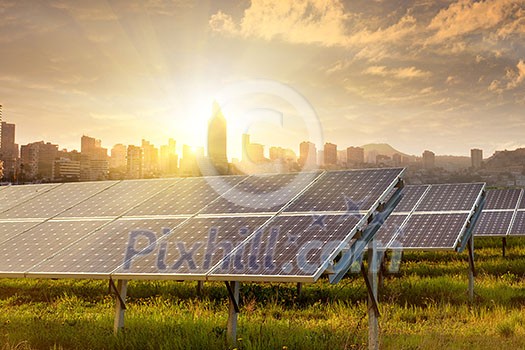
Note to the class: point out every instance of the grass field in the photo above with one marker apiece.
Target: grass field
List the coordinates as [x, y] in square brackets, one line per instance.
[424, 306]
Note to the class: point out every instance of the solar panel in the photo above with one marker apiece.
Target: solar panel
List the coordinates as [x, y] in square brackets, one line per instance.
[261, 193]
[347, 191]
[439, 219]
[389, 229]
[450, 197]
[502, 199]
[118, 199]
[431, 231]
[33, 246]
[289, 247]
[13, 228]
[193, 248]
[411, 195]
[99, 253]
[57, 200]
[518, 227]
[493, 223]
[11, 196]
[186, 197]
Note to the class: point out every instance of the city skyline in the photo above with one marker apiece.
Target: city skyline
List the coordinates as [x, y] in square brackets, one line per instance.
[449, 75]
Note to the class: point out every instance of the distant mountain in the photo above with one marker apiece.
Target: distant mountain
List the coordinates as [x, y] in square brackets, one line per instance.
[384, 149]
[504, 159]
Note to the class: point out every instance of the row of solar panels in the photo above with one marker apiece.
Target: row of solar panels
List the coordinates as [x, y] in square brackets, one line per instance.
[503, 214]
[431, 217]
[274, 227]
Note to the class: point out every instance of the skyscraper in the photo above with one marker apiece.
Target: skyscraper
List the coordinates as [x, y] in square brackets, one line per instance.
[330, 154]
[134, 162]
[476, 157]
[307, 155]
[94, 162]
[355, 156]
[217, 133]
[9, 154]
[429, 160]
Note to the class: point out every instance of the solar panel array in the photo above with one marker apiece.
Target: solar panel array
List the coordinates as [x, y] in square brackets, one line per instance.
[431, 217]
[261, 227]
[503, 214]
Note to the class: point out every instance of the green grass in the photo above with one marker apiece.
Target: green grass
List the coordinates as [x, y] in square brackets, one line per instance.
[423, 306]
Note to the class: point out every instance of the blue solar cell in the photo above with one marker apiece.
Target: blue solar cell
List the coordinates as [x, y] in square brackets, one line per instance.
[12, 196]
[411, 195]
[389, 229]
[187, 197]
[347, 191]
[60, 198]
[493, 223]
[518, 227]
[431, 231]
[449, 197]
[261, 193]
[101, 252]
[502, 199]
[290, 246]
[33, 246]
[118, 199]
[194, 247]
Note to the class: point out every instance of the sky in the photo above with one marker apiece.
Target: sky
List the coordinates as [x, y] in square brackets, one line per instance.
[446, 76]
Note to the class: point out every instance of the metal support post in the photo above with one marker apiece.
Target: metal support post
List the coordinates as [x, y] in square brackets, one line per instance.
[504, 246]
[233, 293]
[373, 309]
[472, 270]
[299, 289]
[120, 289]
[200, 287]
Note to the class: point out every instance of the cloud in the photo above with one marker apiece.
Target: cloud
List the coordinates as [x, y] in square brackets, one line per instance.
[468, 16]
[310, 22]
[391, 34]
[299, 22]
[223, 23]
[513, 79]
[400, 73]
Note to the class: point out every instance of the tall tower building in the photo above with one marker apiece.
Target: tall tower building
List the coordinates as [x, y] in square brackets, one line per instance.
[9, 153]
[307, 155]
[217, 133]
[429, 160]
[330, 154]
[476, 157]
[355, 156]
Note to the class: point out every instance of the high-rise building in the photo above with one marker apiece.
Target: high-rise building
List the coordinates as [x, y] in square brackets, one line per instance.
[429, 160]
[134, 162]
[37, 160]
[118, 156]
[217, 134]
[252, 152]
[330, 154]
[66, 170]
[9, 153]
[94, 163]
[150, 158]
[168, 158]
[307, 155]
[476, 157]
[355, 156]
